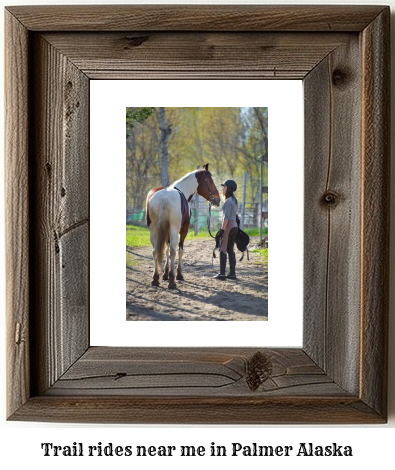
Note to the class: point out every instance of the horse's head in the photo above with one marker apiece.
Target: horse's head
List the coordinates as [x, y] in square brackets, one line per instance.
[206, 187]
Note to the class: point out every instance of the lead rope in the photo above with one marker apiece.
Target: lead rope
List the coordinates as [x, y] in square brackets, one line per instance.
[209, 220]
[208, 228]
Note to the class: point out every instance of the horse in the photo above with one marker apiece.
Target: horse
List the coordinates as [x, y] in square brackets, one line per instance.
[168, 216]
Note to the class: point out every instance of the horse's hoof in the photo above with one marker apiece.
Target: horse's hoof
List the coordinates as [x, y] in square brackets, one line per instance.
[173, 286]
[180, 277]
[165, 277]
[155, 283]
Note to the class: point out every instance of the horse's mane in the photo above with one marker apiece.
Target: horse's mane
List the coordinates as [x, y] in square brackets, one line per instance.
[185, 177]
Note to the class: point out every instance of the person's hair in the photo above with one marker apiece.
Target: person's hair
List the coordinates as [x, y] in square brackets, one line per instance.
[229, 193]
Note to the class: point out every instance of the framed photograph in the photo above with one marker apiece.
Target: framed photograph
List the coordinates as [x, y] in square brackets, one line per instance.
[211, 123]
[339, 374]
[176, 207]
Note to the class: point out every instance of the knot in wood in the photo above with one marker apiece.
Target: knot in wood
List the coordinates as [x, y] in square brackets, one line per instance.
[259, 369]
[18, 335]
[330, 199]
[135, 41]
[339, 77]
[120, 375]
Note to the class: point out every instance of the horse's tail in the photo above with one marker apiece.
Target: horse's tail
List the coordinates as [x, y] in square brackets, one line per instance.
[149, 195]
[147, 217]
[163, 228]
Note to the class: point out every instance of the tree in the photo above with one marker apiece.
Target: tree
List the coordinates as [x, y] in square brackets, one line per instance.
[261, 114]
[163, 148]
[165, 131]
[136, 115]
[141, 165]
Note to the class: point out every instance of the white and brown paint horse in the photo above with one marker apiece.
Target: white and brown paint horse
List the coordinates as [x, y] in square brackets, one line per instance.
[168, 215]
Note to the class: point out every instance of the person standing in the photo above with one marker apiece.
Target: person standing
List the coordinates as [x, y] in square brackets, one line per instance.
[228, 232]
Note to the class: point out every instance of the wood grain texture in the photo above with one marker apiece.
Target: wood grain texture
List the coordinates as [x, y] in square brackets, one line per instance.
[198, 410]
[317, 114]
[195, 54]
[332, 214]
[60, 180]
[375, 211]
[339, 376]
[194, 372]
[17, 212]
[196, 17]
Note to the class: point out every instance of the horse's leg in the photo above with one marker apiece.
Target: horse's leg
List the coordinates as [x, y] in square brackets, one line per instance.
[179, 276]
[167, 265]
[155, 276]
[183, 234]
[173, 249]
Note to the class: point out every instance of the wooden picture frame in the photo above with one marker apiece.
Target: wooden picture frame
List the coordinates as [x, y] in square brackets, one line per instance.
[340, 374]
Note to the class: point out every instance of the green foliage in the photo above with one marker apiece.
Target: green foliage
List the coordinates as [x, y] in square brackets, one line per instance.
[134, 115]
[229, 138]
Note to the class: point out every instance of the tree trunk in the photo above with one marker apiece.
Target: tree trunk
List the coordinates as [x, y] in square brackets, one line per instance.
[165, 132]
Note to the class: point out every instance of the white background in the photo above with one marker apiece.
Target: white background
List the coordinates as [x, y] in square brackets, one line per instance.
[20, 442]
[107, 217]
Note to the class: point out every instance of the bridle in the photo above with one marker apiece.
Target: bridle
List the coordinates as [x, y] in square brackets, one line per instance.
[209, 199]
[211, 195]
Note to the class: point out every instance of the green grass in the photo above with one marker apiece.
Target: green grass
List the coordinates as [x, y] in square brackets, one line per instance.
[263, 255]
[255, 232]
[130, 261]
[139, 236]
[203, 233]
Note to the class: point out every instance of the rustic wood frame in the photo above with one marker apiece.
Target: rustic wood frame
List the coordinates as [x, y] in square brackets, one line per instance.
[340, 373]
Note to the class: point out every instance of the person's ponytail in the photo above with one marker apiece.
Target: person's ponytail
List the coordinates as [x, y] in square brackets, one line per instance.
[229, 193]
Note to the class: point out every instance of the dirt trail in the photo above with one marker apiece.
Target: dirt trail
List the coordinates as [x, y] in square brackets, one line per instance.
[198, 297]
